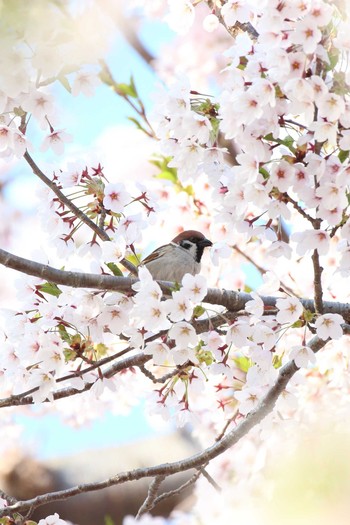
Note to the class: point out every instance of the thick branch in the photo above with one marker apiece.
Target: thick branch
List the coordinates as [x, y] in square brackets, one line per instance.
[233, 301]
[193, 462]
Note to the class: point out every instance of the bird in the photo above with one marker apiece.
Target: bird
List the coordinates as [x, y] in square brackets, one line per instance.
[182, 255]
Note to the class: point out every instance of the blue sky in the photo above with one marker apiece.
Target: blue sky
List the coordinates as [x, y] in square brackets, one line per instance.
[46, 436]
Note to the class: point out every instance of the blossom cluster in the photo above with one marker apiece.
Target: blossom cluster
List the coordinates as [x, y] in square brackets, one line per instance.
[285, 102]
[263, 165]
[43, 47]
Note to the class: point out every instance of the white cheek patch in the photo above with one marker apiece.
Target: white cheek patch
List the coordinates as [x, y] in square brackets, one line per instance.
[186, 245]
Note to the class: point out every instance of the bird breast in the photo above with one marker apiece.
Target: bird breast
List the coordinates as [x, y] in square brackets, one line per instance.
[174, 264]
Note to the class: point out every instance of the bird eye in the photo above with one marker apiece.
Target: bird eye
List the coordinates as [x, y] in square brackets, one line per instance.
[186, 244]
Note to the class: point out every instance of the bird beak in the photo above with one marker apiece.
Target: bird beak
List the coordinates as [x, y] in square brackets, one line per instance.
[205, 242]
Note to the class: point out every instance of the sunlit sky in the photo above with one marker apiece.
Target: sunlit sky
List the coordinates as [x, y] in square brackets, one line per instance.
[46, 436]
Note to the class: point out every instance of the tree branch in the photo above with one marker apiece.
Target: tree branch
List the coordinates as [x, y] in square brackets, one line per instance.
[318, 293]
[193, 462]
[74, 209]
[180, 489]
[153, 490]
[233, 301]
[65, 200]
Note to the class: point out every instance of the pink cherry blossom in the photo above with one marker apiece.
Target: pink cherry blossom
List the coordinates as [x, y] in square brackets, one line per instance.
[115, 197]
[184, 334]
[329, 326]
[53, 519]
[303, 356]
[195, 287]
[290, 309]
[85, 83]
[56, 140]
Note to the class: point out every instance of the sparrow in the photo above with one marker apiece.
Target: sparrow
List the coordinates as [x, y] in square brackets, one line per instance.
[182, 255]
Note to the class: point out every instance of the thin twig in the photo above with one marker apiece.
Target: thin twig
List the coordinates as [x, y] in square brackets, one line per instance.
[153, 490]
[210, 479]
[193, 462]
[65, 200]
[238, 26]
[260, 269]
[299, 209]
[108, 79]
[180, 489]
[74, 209]
[318, 292]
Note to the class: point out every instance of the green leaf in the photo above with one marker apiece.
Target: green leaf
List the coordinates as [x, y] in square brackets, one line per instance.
[50, 288]
[264, 173]
[101, 350]
[65, 82]
[134, 259]
[205, 356]
[343, 155]
[289, 142]
[137, 124]
[133, 87]
[198, 311]
[115, 269]
[277, 361]
[333, 57]
[167, 175]
[126, 90]
[6, 521]
[64, 334]
[243, 363]
[69, 354]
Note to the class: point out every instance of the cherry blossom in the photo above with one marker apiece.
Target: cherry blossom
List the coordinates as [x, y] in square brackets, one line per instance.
[183, 333]
[41, 105]
[233, 11]
[159, 351]
[210, 23]
[329, 326]
[311, 240]
[85, 83]
[115, 197]
[53, 519]
[303, 356]
[56, 140]
[114, 251]
[238, 333]
[248, 399]
[255, 306]
[181, 15]
[180, 306]
[290, 309]
[195, 286]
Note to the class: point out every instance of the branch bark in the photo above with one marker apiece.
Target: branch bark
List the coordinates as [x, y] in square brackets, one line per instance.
[233, 301]
[196, 461]
[100, 232]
